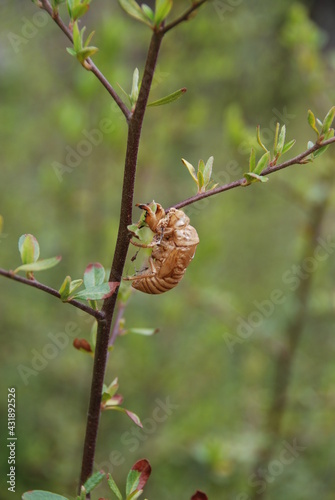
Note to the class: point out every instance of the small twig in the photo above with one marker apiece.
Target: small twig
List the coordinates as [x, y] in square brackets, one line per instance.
[183, 17]
[93, 68]
[99, 315]
[297, 160]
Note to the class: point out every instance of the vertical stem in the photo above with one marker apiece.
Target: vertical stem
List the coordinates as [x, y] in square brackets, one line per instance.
[286, 357]
[120, 254]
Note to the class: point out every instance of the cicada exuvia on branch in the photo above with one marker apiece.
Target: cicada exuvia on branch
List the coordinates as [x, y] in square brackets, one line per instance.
[174, 244]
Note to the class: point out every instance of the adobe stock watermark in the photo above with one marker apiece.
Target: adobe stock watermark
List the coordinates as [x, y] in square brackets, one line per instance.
[267, 475]
[75, 155]
[291, 279]
[40, 359]
[133, 439]
[29, 29]
[223, 7]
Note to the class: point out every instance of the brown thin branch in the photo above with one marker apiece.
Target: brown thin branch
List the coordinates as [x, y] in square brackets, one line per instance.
[185, 16]
[122, 243]
[297, 160]
[99, 315]
[93, 68]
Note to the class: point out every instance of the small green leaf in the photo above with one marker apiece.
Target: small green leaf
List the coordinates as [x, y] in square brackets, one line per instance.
[162, 10]
[259, 139]
[71, 51]
[85, 53]
[262, 163]
[276, 137]
[42, 495]
[97, 292]
[252, 177]
[148, 12]
[143, 331]
[113, 487]
[93, 481]
[112, 388]
[40, 265]
[65, 288]
[136, 494]
[134, 10]
[130, 414]
[288, 146]
[133, 480]
[77, 37]
[200, 182]
[94, 275]
[169, 98]
[135, 89]
[191, 169]
[281, 141]
[328, 120]
[208, 170]
[29, 248]
[201, 166]
[311, 121]
[252, 160]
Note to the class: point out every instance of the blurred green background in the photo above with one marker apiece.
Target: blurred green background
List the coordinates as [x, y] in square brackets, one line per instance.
[243, 63]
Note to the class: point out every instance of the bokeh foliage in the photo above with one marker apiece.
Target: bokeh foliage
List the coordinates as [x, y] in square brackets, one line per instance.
[251, 66]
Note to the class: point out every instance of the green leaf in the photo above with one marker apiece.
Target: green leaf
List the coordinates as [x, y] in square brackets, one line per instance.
[134, 10]
[89, 38]
[29, 248]
[71, 51]
[281, 141]
[130, 414]
[288, 146]
[252, 177]
[328, 120]
[134, 89]
[200, 181]
[276, 137]
[93, 481]
[94, 275]
[85, 53]
[169, 98]
[201, 166]
[143, 331]
[148, 12]
[191, 169]
[113, 487]
[112, 389]
[311, 121]
[162, 10]
[136, 494]
[259, 139]
[252, 160]
[208, 170]
[42, 495]
[65, 288]
[77, 37]
[40, 265]
[97, 292]
[133, 480]
[262, 163]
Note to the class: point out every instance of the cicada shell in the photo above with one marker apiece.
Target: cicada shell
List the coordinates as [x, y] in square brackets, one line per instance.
[174, 245]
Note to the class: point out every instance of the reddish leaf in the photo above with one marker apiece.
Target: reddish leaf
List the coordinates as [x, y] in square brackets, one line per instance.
[144, 467]
[199, 495]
